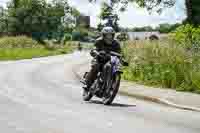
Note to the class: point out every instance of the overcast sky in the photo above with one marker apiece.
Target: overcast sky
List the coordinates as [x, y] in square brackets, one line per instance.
[134, 16]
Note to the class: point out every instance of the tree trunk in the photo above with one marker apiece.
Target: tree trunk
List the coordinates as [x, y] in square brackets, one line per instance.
[16, 3]
[193, 11]
[188, 5]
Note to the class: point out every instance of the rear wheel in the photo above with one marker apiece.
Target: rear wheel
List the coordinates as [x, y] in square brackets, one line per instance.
[112, 92]
[87, 95]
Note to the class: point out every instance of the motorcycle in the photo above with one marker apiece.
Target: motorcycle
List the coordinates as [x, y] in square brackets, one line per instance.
[107, 83]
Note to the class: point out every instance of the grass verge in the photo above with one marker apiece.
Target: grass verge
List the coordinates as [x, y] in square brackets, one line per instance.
[21, 47]
[164, 64]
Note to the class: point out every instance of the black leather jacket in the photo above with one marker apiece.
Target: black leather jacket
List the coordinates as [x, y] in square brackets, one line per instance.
[101, 45]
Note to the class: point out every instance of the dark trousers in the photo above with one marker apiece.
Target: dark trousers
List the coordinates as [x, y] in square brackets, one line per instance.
[96, 66]
[92, 74]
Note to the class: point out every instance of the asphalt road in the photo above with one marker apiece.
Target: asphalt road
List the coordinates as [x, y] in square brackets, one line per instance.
[43, 96]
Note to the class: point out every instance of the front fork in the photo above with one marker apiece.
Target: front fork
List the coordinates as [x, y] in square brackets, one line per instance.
[107, 74]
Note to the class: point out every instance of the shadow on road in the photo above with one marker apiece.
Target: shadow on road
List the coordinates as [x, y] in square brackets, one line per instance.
[113, 104]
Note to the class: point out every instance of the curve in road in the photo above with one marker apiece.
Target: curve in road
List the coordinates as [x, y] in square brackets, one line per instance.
[43, 96]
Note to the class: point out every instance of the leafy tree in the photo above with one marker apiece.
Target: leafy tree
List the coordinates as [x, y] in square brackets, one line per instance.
[75, 12]
[107, 14]
[192, 7]
[36, 18]
[2, 20]
[193, 12]
[71, 14]
[80, 33]
[106, 11]
[166, 28]
[150, 5]
[145, 28]
[28, 17]
[162, 28]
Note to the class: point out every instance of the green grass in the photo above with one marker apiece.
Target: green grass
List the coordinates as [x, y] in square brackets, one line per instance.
[22, 53]
[162, 63]
[18, 42]
[22, 47]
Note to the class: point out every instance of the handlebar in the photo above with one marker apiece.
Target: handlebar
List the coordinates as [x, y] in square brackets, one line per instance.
[115, 54]
[112, 53]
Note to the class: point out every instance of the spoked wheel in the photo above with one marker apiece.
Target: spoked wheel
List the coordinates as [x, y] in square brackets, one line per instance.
[112, 92]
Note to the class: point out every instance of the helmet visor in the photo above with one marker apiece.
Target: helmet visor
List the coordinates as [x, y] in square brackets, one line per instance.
[109, 36]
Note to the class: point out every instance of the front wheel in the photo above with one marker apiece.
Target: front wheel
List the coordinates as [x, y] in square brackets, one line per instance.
[112, 92]
[87, 95]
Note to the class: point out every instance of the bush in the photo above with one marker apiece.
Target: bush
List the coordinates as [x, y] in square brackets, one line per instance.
[18, 42]
[187, 36]
[79, 34]
[162, 63]
[67, 37]
[123, 36]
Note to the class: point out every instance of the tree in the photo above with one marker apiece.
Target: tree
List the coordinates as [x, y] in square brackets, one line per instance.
[2, 20]
[69, 18]
[193, 11]
[148, 4]
[106, 11]
[192, 7]
[16, 3]
[142, 29]
[36, 18]
[164, 28]
[107, 14]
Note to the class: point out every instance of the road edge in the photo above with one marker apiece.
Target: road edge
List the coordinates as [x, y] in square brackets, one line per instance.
[165, 102]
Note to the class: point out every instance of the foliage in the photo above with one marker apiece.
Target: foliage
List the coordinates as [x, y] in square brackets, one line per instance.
[162, 28]
[162, 64]
[187, 36]
[167, 28]
[123, 36]
[150, 5]
[18, 42]
[192, 11]
[67, 37]
[145, 28]
[35, 18]
[79, 34]
[106, 11]
[20, 19]
[107, 14]
[192, 7]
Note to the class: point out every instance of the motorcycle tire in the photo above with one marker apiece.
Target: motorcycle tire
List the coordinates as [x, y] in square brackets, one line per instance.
[114, 90]
[87, 95]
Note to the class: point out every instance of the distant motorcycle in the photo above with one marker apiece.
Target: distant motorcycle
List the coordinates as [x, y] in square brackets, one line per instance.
[107, 83]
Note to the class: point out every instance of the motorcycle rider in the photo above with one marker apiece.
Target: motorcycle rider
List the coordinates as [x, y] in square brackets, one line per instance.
[104, 44]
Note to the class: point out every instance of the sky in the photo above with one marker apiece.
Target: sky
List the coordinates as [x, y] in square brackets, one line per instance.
[133, 16]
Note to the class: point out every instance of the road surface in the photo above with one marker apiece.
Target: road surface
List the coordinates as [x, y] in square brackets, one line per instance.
[43, 96]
